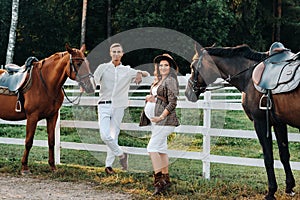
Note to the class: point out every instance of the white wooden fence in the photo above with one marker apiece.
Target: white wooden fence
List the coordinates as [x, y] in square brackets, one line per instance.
[207, 104]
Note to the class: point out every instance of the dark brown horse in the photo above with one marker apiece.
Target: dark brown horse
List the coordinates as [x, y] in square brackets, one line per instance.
[43, 99]
[235, 65]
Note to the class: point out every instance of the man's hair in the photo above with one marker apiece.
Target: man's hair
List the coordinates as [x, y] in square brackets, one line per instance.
[115, 45]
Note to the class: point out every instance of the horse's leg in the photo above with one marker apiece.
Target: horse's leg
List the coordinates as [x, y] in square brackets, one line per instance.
[283, 146]
[51, 123]
[267, 146]
[30, 130]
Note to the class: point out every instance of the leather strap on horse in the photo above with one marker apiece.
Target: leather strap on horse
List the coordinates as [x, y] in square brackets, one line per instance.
[267, 113]
[75, 99]
[266, 99]
[22, 90]
[20, 102]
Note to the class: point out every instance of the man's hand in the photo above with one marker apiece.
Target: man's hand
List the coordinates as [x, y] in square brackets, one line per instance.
[138, 78]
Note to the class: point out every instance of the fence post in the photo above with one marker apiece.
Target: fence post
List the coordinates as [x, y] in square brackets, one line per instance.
[206, 136]
[57, 140]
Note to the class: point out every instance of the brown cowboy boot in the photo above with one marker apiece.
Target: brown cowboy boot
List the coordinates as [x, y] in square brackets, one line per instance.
[166, 178]
[159, 183]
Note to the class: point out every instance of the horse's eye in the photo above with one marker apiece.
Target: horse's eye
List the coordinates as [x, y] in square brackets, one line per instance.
[79, 63]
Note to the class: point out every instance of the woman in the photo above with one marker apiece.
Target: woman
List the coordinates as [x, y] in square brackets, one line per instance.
[160, 109]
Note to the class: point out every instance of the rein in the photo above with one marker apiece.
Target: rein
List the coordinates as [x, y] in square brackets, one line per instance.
[229, 78]
[253, 66]
[75, 99]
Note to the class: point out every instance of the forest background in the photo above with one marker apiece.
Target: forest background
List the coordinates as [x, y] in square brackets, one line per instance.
[45, 26]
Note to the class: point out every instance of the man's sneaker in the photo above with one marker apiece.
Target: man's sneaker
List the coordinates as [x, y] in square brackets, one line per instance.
[124, 161]
[109, 170]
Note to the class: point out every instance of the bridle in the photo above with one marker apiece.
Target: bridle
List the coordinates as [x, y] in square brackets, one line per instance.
[194, 83]
[200, 89]
[79, 78]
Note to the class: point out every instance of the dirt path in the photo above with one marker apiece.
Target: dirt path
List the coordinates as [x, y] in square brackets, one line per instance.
[14, 188]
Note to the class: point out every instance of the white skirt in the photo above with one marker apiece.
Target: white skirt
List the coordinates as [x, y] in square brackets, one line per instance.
[159, 137]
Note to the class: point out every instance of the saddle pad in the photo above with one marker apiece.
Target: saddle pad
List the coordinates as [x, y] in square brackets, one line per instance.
[258, 72]
[288, 72]
[284, 87]
[5, 91]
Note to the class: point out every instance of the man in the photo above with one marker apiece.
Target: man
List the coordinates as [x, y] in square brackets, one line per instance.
[114, 79]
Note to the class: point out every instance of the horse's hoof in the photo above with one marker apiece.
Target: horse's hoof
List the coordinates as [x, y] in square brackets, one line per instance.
[270, 197]
[291, 194]
[25, 172]
[53, 169]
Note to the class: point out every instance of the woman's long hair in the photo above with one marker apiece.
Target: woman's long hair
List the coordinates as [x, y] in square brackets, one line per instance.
[157, 75]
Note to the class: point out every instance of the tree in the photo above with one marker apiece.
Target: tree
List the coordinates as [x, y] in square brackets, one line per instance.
[277, 15]
[12, 31]
[83, 22]
[108, 18]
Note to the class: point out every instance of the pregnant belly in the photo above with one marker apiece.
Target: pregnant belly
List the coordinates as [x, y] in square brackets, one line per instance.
[149, 109]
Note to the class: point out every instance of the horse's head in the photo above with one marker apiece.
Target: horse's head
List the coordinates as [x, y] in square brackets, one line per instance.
[203, 73]
[80, 69]
[232, 64]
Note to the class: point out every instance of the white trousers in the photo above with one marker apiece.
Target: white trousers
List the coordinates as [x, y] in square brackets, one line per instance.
[159, 138]
[109, 123]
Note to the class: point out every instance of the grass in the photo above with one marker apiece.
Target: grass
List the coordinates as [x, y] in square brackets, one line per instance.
[226, 182]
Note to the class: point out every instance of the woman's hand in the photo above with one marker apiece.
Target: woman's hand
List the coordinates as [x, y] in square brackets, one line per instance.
[157, 119]
[150, 98]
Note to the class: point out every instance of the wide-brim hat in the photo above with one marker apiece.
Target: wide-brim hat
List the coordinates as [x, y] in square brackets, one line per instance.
[166, 57]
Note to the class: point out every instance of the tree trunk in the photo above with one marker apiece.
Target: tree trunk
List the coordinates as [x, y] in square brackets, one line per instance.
[12, 32]
[83, 22]
[277, 10]
[108, 18]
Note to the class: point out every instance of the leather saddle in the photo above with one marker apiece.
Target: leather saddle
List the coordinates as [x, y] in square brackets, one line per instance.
[14, 76]
[278, 73]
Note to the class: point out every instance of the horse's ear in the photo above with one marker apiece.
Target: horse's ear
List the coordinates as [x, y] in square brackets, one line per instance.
[83, 48]
[198, 48]
[68, 48]
[196, 56]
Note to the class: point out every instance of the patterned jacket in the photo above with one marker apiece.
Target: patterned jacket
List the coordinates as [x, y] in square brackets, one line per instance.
[167, 94]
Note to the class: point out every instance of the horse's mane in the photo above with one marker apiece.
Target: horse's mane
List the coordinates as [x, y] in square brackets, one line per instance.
[241, 50]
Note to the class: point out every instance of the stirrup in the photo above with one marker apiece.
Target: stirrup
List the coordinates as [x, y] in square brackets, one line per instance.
[265, 107]
[18, 106]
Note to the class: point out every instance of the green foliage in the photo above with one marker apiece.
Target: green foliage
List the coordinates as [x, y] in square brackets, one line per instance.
[5, 17]
[199, 19]
[44, 27]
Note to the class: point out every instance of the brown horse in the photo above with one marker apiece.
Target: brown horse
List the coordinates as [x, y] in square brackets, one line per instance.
[43, 99]
[235, 65]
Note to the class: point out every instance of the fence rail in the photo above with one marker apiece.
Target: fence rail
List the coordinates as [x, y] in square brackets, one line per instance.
[210, 101]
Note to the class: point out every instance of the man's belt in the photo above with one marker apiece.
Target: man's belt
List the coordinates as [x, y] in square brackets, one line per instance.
[104, 102]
